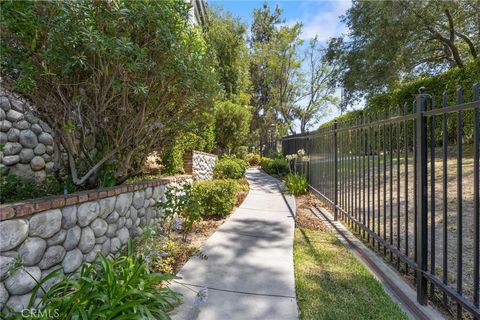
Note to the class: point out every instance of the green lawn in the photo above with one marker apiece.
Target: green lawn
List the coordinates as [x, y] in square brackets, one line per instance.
[332, 284]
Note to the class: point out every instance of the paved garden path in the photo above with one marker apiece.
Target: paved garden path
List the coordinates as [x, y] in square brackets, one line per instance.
[249, 271]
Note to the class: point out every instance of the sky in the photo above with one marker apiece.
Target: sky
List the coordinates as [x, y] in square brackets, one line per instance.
[320, 18]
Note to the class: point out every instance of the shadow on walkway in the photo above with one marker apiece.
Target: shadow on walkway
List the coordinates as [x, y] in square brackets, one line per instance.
[249, 270]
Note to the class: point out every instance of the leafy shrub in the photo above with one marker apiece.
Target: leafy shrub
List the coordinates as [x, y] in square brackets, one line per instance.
[253, 159]
[230, 168]
[242, 192]
[120, 288]
[265, 162]
[243, 185]
[239, 161]
[181, 209]
[14, 188]
[296, 184]
[215, 197]
[172, 160]
[106, 178]
[232, 123]
[172, 155]
[278, 167]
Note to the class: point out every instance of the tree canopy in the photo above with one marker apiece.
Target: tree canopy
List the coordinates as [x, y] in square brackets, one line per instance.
[232, 124]
[292, 86]
[116, 80]
[394, 41]
[226, 35]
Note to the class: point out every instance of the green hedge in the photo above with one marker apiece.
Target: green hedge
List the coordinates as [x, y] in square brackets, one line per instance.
[405, 94]
[446, 82]
[216, 198]
[436, 85]
[277, 167]
[230, 168]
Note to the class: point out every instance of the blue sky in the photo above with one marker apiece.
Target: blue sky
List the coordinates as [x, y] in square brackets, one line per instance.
[320, 18]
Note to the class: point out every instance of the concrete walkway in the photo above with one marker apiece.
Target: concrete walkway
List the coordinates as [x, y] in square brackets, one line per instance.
[249, 271]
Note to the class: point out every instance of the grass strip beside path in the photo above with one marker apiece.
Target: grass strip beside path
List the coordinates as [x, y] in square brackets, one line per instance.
[332, 284]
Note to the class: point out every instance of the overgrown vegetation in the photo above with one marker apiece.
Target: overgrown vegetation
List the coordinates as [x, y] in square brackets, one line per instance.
[13, 188]
[435, 85]
[430, 37]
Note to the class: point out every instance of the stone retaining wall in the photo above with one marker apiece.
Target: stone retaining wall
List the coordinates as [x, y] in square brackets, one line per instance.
[67, 231]
[29, 149]
[199, 164]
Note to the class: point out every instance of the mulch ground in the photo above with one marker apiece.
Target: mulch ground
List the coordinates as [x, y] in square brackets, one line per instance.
[305, 219]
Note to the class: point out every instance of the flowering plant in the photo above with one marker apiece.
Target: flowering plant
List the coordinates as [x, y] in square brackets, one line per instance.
[180, 209]
[301, 157]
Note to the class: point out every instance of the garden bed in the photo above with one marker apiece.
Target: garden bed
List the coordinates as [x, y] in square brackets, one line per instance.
[180, 247]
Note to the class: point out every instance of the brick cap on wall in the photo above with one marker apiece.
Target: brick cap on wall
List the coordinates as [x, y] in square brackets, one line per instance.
[30, 207]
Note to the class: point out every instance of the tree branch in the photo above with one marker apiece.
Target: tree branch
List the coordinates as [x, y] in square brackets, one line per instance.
[469, 42]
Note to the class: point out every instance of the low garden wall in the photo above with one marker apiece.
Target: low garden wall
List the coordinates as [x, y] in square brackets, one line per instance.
[67, 231]
[199, 164]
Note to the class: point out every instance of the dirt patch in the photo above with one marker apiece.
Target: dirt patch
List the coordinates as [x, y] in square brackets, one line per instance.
[304, 217]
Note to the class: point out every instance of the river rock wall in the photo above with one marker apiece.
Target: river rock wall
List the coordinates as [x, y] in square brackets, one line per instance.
[67, 231]
[200, 164]
[29, 150]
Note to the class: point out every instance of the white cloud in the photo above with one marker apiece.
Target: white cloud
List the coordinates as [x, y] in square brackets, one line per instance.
[325, 23]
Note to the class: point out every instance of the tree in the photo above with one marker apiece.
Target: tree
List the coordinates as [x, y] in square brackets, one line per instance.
[116, 80]
[226, 35]
[318, 95]
[232, 122]
[263, 29]
[284, 74]
[392, 41]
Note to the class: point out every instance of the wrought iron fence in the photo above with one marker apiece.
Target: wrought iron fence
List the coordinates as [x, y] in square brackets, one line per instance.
[407, 181]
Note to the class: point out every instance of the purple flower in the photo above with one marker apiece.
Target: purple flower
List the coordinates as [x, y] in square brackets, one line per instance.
[177, 223]
[202, 297]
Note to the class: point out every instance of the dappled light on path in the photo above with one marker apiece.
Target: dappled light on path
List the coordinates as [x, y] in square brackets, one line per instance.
[249, 269]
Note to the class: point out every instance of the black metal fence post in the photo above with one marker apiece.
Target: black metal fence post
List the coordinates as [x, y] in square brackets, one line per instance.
[335, 174]
[422, 222]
